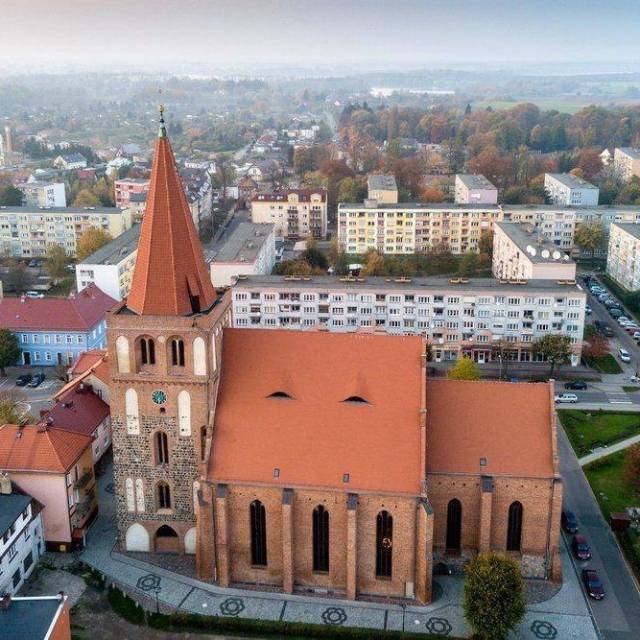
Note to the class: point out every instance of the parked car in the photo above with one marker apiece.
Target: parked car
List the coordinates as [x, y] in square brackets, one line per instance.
[608, 331]
[37, 380]
[624, 355]
[615, 313]
[569, 521]
[631, 328]
[588, 310]
[571, 398]
[23, 380]
[622, 320]
[592, 584]
[34, 294]
[580, 547]
[636, 335]
[442, 569]
[576, 385]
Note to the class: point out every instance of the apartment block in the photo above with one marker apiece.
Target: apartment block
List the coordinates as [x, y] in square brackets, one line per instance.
[474, 189]
[129, 187]
[296, 213]
[623, 258]
[519, 252]
[44, 194]
[569, 190]
[626, 162]
[27, 232]
[413, 227]
[382, 188]
[481, 318]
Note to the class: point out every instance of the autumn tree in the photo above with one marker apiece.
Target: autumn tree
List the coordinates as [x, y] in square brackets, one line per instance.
[374, 264]
[464, 369]
[17, 277]
[631, 473]
[337, 258]
[595, 347]
[590, 163]
[431, 194]
[9, 350]
[589, 236]
[91, 240]
[56, 262]
[555, 348]
[86, 198]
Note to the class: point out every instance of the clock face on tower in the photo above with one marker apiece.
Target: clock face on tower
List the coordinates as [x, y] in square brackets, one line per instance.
[159, 397]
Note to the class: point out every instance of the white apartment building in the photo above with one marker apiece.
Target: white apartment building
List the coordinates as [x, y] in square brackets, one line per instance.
[249, 250]
[413, 227]
[21, 537]
[626, 162]
[569, 190]
[519, 252]
[480, 317]
[382, 188]
[296, 213]
[43, 194]
[110, 268]
[474, 189]
[623, 258]
[26, 232]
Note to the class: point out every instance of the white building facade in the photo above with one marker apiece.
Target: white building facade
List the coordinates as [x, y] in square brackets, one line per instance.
[626, 162]
[296, 213]
[623, 257]
[569, 190]
[44, 194]
[474, 189]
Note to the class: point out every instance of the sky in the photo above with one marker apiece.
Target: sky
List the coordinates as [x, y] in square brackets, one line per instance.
[378, 33]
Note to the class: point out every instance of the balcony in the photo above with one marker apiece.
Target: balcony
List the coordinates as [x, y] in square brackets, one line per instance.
[84, 480]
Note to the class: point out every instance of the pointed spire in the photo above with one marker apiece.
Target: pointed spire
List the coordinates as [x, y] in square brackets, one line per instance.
[170, 276]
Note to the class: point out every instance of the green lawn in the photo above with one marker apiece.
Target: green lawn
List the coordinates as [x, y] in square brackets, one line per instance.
[605, 364]
[631, 389]
[588, 430]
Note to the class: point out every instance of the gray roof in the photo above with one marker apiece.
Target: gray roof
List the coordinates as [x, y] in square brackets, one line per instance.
[29, 618]
[11, 506]
[374, 204]
[244, 243]
[40, 210]
[475, 181]
[632, 152]
[438, 283]
[571, 181]
[116, 250]
[522, 238]
[630, 228]
[379, 182]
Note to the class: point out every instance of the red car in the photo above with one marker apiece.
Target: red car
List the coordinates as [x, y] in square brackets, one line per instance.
[581, 548]
[592, 584]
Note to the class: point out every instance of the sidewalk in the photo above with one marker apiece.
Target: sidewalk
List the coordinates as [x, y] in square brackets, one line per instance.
[565, 615]
[607, 451]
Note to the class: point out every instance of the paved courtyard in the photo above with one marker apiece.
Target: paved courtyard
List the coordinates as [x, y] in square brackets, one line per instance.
[565, 615]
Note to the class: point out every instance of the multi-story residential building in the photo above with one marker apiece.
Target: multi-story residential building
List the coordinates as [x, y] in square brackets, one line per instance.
[519, 252]
[55, 331]
[197, 188]
[296, 213]
[36, 618]
[110, 268]
[249, 250]
[413, 227]
[626, 162]
[27, 232]
[474, 189]
[623, 257]
[128, 187]
[382, 188]
[569, 190]
[55, 466]
[43, 194]
[21, 536]
[479, 317]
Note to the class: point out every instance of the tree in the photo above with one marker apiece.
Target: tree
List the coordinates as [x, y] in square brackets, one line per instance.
[493, 596]
[313, 256]
[464, 369]
[337, 258]
[56, 262]
[9, 350]
[17, 277]
[468, 265]
[92, 239]
[555, 348]
[85, 198]
[431, 194]
[10, 196]
[596, 347]
[374, 264]
[589, 236]
[12, 408]
[631, 472]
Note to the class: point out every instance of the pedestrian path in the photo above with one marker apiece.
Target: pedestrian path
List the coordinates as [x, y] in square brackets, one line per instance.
[607, 451]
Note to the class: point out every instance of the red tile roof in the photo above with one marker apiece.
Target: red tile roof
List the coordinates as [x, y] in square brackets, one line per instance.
[86, 360]
[31, 448]
[510, 425]
[78, 410]
[170, 276]
[78, 313]
[315, 437]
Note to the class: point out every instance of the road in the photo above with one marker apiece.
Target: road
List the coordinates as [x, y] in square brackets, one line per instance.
[33, 399]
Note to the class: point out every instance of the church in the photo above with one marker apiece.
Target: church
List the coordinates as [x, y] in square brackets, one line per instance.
[309, 461]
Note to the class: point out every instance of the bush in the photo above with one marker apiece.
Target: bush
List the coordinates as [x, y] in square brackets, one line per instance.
[125, 607]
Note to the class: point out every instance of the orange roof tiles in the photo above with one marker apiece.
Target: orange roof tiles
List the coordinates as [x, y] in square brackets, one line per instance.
[170, 276]
[507, 424]
[315, 438]
[51, 450]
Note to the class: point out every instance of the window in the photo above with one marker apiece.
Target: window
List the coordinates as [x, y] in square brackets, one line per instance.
[177, 352]
[16, 578]
[147, 351]
[161, 445]
[280, 394]
[28, 561]
[384, 544]
[514, 527]
[454, 524]
[320, 539]
[164, 496]
[258, 526]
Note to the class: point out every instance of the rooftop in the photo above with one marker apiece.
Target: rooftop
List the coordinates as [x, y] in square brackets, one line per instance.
[117, 250]
[474, 181]
[28, 210]
[536, 247]
[132, 181]
[78, 313]
[32, 618]
[380, 182]
[571, 181]
[11, 506]
[381, 283]
[304, 195]
[418, 206]
[78, 410]
[630, 228]
[244, 243]
[632, 152]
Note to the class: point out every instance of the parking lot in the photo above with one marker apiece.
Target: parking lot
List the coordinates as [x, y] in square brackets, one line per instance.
[34, 399]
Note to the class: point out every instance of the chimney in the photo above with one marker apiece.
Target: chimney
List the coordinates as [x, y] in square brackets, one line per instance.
[5, 484]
